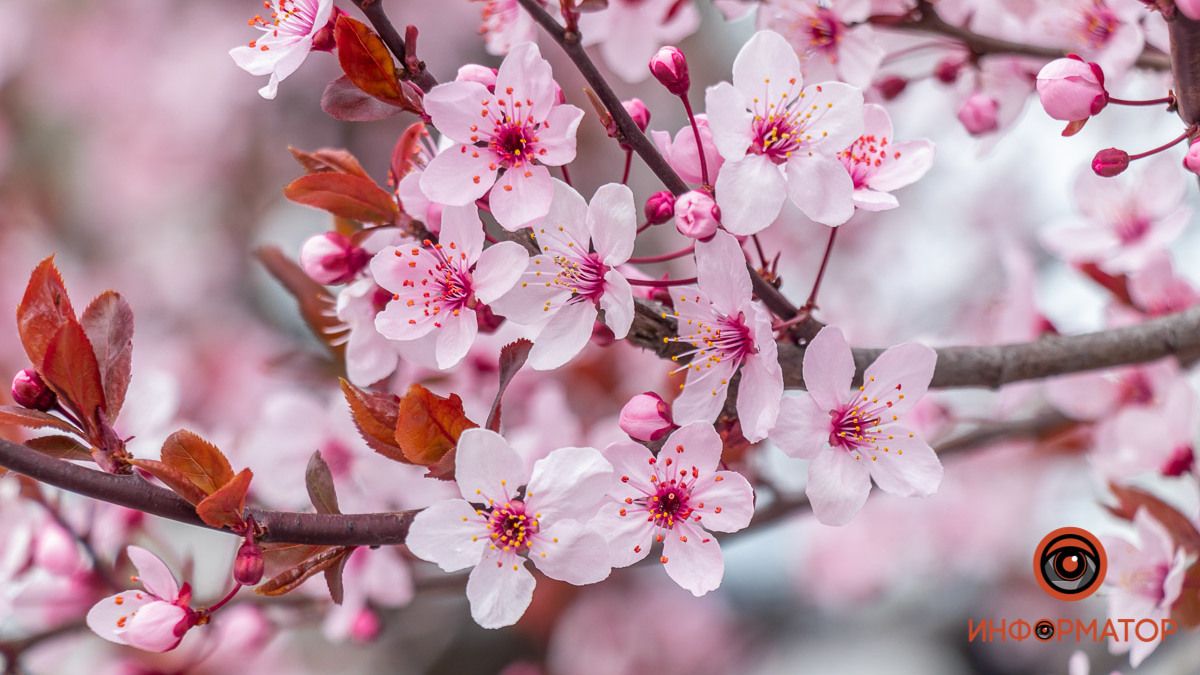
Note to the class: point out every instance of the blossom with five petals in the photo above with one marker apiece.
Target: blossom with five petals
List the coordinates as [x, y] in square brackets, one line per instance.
[154, 619]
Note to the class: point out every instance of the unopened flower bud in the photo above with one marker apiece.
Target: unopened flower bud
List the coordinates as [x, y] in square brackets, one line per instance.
[1110, 162]
[323, 40]
[947, 70]
[638, 111]
[646, 417]
[248, 565]
[669, 67]
[331, 258]
[697, 215]
[1192, 159]
[1071, 89]
[979, 114]
[891, 86]
[473, 72]
[29, 390]
[660, 207]
[365, 627]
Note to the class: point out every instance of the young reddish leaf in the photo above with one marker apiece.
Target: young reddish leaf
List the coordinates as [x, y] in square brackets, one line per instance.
[70, 367]
[108, 322]
[375, 416]
[407, 147]
[44, 309]
[336, 160]
[344, 195]
[317, 304]
[345, 102]
[278, 557]
[198, 460]
[1187, 608]
[319, 481]
[34, 419]
[224, 507]
[512, 357]
[428, 426]
[1130, 500]
[61, 447]
[173, 478]
[333, 579]
[291, 578]
[366, 60]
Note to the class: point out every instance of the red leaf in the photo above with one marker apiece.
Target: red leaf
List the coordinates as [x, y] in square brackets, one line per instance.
[345, 102]
[44, 309]
[344, 195]
[375, 416]
[428, 426]
[407, 147]
[317, 304]
[319, 481]
[61, 447]
[173, 478]
[291, 578]
[1186, 609]
[366, 60]
[224, 507]
[198, 460]
[333, 579]
[512, 357]
[34, 419]
[70, 367]
[335, 160]
[108, 322]
[1130, 500]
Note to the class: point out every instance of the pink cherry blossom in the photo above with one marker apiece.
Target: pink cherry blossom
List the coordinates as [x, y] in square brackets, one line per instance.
[1124, 222]
[878, 165]
[153, 620]
[629, 32]
[1158, 290]
[504, 24]
[520, 129]
[575, 274]
[675, 499]
[1144, 579]
[1071, 89]
[545, 525]
[854, 436]
[780, 140]
[286, 41]
[680, 152]
[436, 287]
[729, 332]
[1108, 32]
[373, 578]
[1096, 395]
[833, 35]
[1154, 439]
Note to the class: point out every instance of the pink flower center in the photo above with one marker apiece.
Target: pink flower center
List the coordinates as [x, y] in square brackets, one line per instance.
[864, 157]
[1136, 389]
[1147, 582]
[1132, 228]
[446, 287]
[670, 499]
[290, 18]
[511, 529]
[1098, 24]
[726, 338]
[1181, 462]
[582, 275]
[514, 142]
[825, 31]
[782, 119]
[860, 424]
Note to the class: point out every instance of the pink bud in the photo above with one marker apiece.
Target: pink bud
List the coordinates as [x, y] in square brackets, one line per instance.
[29, 390]
[669, 67]
[331, 258]
[1071, 89]
[248, 565]
[697, 215]
[473, 72]
[1190, 8]
[365, 627]
[978, 114]
[57, 552]
[323, 39]
[1110, 162]
[946, 70]
[660, 207]
[1192, 159]
[638, 111]
[891, 86]
[646, 417]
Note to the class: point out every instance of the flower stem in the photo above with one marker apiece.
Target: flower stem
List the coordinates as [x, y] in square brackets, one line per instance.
[664, 257]
[1165, 146]
[225, 600]
[687, 105]
[811, 303]
[566, 175]
[628, 166]
[662, 282]
[1167, 100]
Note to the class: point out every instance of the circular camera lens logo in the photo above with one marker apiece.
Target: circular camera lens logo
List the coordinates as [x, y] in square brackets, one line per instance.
[1070, 563]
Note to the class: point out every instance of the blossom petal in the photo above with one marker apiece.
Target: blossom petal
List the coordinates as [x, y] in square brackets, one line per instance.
[564, 228]
[722, 274]
[525, 76]
[499, 267]
[751, 192]
[767, 63]
[729, 120]
[617, 303]
[571, 552]
[564, 336]
[871, 200]
[458, 175]
[449, 534]
[838, 486]
[455, 337]
[900, 376]
[499, 589]
[728, 501]
[110, 617]
[521, 196]
[914, 160]
[704, 392]
[821, 187]
[859, 56]
[696, 446]
[692, 558]
[803, 428]
[828, 368]
[454, 108]
[487, 469]
[908, 467]
[153, 573]
[569, 483]
[556, 138]
[632, 464]
[837, 116]
[153, 627]
[462, 227]
[761, 387]
[612, 222]
[629, 533]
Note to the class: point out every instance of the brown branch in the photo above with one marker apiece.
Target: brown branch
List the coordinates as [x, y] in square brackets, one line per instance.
[1185, 64]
